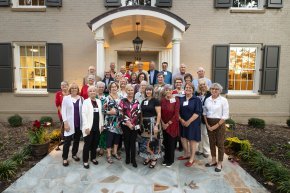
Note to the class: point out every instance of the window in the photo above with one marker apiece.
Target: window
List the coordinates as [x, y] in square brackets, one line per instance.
[31, 2]
[246, 4]
[30, 63]
[244, 68]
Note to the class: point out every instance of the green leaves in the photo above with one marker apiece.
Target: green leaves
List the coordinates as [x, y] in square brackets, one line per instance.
[7, 169]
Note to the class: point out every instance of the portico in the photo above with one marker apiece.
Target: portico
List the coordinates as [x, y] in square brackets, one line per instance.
[114, 31]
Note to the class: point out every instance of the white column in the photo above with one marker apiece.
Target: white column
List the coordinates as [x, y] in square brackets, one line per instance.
[100, 52]
[175, 56]
[176, 39]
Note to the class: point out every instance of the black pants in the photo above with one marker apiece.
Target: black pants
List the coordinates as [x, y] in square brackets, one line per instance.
[67, 142]
[130, 137]
[169, 147]
[91, 144]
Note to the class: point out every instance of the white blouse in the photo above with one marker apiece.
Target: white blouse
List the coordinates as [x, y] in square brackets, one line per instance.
[216, 108]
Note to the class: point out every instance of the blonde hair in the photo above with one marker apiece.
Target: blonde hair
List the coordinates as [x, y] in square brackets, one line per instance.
[201, 81]
[73, 85]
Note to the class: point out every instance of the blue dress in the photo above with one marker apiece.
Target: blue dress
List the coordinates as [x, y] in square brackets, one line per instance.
[192, 132]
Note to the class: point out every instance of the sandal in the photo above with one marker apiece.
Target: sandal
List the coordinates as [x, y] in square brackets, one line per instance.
[210, 164]
[76, 158]
[116, 156]
[65, 164]
[146, 162]
[153, 164]
[109, 159]
[95, 162]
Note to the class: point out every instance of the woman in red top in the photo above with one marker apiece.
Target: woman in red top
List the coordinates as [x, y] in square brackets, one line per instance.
[59, 96]
[91, 82]
[170, 124]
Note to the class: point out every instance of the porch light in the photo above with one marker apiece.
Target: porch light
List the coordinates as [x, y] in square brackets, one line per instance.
[137, 43]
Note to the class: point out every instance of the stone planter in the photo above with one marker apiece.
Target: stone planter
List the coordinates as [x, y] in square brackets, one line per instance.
[39, 150]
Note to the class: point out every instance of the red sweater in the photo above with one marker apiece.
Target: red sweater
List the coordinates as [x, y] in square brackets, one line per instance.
[170, 112]
[58, 101]
[84, 92]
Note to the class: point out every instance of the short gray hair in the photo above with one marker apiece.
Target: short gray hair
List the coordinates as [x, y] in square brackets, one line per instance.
[217, 85]
[100, 83]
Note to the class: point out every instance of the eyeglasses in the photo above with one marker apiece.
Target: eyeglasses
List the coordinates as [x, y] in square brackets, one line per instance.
[214, 89]
[178, 82]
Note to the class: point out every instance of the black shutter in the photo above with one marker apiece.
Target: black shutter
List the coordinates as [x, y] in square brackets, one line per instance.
[220, 65]
[270, 70]
[54, 58]
[275, 4]
[6, 68]
[4, 3]
[223, 3]
[163, 3]
[53, 3]
[113, 3]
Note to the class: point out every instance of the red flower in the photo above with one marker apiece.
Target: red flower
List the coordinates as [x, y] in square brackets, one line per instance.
[37, 124]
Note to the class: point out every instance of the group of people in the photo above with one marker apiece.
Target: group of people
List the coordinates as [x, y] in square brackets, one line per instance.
[153, 108]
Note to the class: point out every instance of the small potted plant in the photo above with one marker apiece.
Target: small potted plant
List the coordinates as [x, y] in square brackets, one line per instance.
[39, 138]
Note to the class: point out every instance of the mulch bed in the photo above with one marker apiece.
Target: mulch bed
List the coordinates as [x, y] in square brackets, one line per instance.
[273, 142]
[12, 140]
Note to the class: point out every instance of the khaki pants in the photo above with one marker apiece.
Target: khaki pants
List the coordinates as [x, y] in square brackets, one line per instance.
[216, 139]
[203, 145]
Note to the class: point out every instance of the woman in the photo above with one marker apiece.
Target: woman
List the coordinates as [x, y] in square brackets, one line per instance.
[179, 91]
[159, 86]
[133, 79]
[58, 101]
[130, 114]
[216, 111]
[91, 82]
[102, 96]
[140, 95]
[150, 147]
[188, 78]
[72, 119]
[112, 122]
[141, 76]
[170, 124]
[122, 91]
[92, 126]
[189, 117]
[203, 93]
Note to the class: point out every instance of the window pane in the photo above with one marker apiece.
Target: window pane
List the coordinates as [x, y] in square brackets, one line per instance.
[242, 68]
[42, 51]
[245, 3]
[41, 2]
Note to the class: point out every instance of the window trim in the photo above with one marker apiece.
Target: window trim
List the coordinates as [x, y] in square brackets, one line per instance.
[17, 7]
[257, 77]
[259, 9]
[17, 79]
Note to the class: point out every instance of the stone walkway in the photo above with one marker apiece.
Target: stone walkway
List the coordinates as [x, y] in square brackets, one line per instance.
[49, 176]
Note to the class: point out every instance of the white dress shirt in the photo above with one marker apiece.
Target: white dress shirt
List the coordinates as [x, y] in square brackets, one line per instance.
[216, 108]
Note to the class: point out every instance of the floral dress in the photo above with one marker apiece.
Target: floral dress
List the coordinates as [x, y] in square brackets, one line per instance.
[112, 122]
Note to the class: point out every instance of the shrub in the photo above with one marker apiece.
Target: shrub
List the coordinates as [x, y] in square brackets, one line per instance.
[277, 173]
[284, 186]
[7, 169]
[55, 135]
[288, 122]
[231, 123]
[15, 121]
[256, 123]
[20, 157]
[238, 145]
[46, 119]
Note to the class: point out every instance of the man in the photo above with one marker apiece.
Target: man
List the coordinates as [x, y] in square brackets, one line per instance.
[152, 73]
[200, 74]
[112, 70]
[123, 73]
[107, 79]
[91, 71]
[140, 69]
[167, 74]
[181, 73]
[131, 69]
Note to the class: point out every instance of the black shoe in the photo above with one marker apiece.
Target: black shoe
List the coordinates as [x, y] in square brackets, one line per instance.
[65, 164]
[205, 155]
[168, 165]
[127, 161]
[76, 158]
[218, 170]
[198, 153]
[95, 162]
[210, 164]
[134, 164]
[164, 163]
[87, 166]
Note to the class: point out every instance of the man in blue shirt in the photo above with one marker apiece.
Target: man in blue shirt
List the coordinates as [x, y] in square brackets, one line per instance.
[200, 74]
[167, 74]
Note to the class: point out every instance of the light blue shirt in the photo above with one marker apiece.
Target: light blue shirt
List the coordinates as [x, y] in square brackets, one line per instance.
[167, 77]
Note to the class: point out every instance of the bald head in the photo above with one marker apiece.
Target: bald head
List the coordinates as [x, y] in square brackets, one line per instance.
[200, 72]
[92, 70]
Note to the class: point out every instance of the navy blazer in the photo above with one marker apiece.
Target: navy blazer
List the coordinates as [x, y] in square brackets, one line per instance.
[154, 77]
[106, 86]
